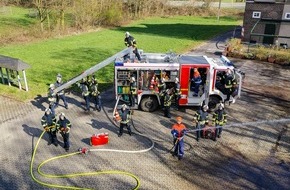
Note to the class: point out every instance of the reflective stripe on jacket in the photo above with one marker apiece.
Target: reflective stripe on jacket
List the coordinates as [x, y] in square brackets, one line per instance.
[130, 41]
[63, 125]
[219, 118]
[125, 116]
[201, 117]
[167, 100]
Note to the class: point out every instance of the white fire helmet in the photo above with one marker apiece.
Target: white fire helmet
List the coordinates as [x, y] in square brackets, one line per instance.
[221, 106]
[47, 110]
[127, 34]
[58, 77]
[176, 80]
[62, 115]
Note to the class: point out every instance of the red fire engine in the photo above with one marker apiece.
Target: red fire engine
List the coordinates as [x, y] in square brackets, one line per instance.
[155, 67]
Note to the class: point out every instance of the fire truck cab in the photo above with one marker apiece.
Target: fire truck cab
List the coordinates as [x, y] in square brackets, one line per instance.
[157, 67]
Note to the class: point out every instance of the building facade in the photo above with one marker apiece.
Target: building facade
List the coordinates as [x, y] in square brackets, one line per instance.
[267, 22]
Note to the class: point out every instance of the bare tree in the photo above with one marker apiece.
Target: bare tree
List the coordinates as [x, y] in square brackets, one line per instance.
[60, 7]
[43, 9]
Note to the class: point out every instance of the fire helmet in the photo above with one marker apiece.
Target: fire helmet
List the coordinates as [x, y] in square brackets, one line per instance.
[127, 34]
[47, 110]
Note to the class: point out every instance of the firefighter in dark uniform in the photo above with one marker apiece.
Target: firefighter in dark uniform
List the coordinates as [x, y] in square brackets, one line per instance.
[51, 98]
[167, 103]
[96, 94]
[219, 119]
[125, 118]
[178, 131]
[63, 125]
[230, 83]
[162, 90]
[201, 118]
[133, 90]
[48, 122]
[60, 94]
[131, 42]
[85, 93]
[177, 92]
[89, 81]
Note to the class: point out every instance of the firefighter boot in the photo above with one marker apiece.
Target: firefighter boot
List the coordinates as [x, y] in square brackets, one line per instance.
[129, 130]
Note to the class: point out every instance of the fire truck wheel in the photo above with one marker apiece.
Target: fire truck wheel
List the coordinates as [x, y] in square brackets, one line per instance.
[213, 101]
[149, 104]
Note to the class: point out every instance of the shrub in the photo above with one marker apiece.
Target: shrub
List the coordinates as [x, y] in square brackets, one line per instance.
[235, 48]
[112, 17]
[282, 56]
[271, 54]
[261, 53]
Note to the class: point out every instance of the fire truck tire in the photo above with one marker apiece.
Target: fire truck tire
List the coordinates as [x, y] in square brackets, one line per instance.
[213, 101]
[149, 104]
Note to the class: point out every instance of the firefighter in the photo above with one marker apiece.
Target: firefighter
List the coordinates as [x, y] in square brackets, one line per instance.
[51, 98]
[63, 125]
[167, 103]
[219, 119]
[89, 81]
[60, 94]
[48, 121]
[133, 90]
[161, 85]
[195, 82]
[96, 94]
[178, 131]
[125, 118]
[177, 92]
[85, 93]
[201, 118]
[162, 90]
[230, 83]
[131, 42]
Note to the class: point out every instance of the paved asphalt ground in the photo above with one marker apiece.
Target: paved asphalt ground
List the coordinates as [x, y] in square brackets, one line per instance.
[253, 152]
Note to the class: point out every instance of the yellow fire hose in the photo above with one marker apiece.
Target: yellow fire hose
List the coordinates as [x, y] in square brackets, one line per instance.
[110, 172]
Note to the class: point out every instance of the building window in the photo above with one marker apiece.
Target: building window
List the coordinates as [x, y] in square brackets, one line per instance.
[287, 16]
[256, 14]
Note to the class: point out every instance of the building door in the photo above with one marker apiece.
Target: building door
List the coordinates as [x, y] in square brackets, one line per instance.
[270, 30]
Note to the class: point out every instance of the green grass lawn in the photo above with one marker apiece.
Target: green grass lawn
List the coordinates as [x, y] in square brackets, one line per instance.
[13, 19]
[73, 54]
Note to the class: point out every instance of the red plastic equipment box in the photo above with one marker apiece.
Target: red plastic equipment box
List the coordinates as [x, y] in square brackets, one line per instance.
[99, 139]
